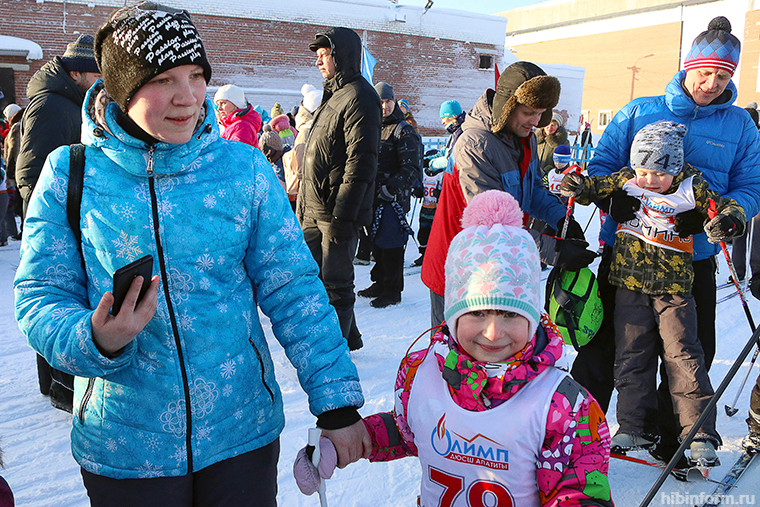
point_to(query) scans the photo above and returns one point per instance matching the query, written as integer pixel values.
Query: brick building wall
(270, 59)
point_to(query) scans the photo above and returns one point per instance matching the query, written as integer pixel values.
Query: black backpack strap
(74, 192)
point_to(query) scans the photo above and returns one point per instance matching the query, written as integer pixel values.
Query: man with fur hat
(721, 142)
(54, 118)
(340, 163)
(497, 150)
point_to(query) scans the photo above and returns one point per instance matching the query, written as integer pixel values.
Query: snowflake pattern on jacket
(574, 458)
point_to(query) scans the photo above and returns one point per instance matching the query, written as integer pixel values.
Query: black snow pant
(248, 480)
(336, 269)
(646, 325)
(426, 225)
(436, 309)
(593, 367)
(703, 289)
(388, 271)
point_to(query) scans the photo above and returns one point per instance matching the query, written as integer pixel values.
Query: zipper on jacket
(172, 318)
(261, 362)
(85, 399)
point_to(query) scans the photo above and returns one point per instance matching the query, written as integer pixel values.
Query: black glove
(573, 254)
(341, 230)
(689, 222)
(723, 227)
(623, 207)
(418, 192)
(436, 193)
(572, 185)
(384, 194)
(574, 230)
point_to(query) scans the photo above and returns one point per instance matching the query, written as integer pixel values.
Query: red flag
(496, 83)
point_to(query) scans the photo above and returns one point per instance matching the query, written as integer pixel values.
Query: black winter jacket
(53, 118)
(398, 162)
(340, 158)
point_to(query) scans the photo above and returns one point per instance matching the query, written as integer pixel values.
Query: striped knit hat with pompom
(493, 263)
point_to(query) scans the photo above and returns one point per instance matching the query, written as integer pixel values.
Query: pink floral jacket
(569, 475)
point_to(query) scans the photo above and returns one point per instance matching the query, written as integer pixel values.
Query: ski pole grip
(712, 212)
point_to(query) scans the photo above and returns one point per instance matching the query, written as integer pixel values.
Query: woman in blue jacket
(176, 401)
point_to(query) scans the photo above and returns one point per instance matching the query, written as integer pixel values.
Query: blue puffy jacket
(197, 385)
(721, 141)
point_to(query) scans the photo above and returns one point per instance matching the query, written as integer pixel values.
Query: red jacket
(243, 125)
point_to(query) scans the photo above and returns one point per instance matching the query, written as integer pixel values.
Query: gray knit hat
(140, 41)
(79, 55)
(385, 91)
(659, 147)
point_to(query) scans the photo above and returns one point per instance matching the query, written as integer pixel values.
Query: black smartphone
(123, 277)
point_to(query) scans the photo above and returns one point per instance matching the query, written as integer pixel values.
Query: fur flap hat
(527, 84)
(139, 42)
(493, 263)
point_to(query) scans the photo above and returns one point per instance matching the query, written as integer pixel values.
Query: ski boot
(702, 454)
(751, 443)
(623, 442)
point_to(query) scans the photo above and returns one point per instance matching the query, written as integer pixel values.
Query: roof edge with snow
(373, 15)
(15, 46)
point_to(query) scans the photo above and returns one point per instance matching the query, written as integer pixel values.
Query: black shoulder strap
(74, 192)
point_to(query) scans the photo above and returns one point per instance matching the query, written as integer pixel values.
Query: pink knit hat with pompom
(493, 264)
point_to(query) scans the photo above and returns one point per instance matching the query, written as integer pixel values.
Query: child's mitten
(722, 227)
(306, 474)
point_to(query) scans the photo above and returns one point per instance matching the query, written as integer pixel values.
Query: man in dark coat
(398, 168)
(53, 118)
(340, 163)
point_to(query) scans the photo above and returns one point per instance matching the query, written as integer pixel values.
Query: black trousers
(703, 289)
(336, 269)
(248, 480)
(388, 271)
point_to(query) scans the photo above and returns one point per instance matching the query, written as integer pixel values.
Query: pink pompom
(490, 208)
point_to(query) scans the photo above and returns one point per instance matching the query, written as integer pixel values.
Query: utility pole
(634, 69)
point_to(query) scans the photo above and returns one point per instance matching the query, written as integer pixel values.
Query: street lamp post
(634, 70)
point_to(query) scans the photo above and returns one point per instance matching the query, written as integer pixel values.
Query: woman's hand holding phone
(114, 332)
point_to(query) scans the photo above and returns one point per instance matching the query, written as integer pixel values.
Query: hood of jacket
(681, 103)
(347, 53)
(247, 115)
(100, 128)
(53, 78)
(480, 116)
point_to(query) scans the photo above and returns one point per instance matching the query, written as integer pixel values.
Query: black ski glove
(723, 227)
(688, 223)
(340, 230)
(418, 192)
(572, 185)
(623, 207)
(573, 254)
(574, 230)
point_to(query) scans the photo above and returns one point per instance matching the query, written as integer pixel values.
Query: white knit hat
(493, 263)
(232, 93)
(311, 97)
(10, 110)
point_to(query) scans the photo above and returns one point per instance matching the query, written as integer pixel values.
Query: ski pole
(570, 201)
(753, 341)
(593, 212)
(314, 435)
(731, 409)
(712, 213)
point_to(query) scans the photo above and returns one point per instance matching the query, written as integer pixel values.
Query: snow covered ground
(42, 473)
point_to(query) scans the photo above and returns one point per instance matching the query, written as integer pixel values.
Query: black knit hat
(79, 55)
(140, 41)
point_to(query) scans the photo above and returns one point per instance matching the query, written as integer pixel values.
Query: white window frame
(606, 115)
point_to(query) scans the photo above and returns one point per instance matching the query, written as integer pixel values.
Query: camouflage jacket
(643, 267)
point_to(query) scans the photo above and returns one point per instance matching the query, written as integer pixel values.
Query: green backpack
(573, 303)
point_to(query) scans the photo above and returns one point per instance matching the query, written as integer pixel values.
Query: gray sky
(481, 6)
